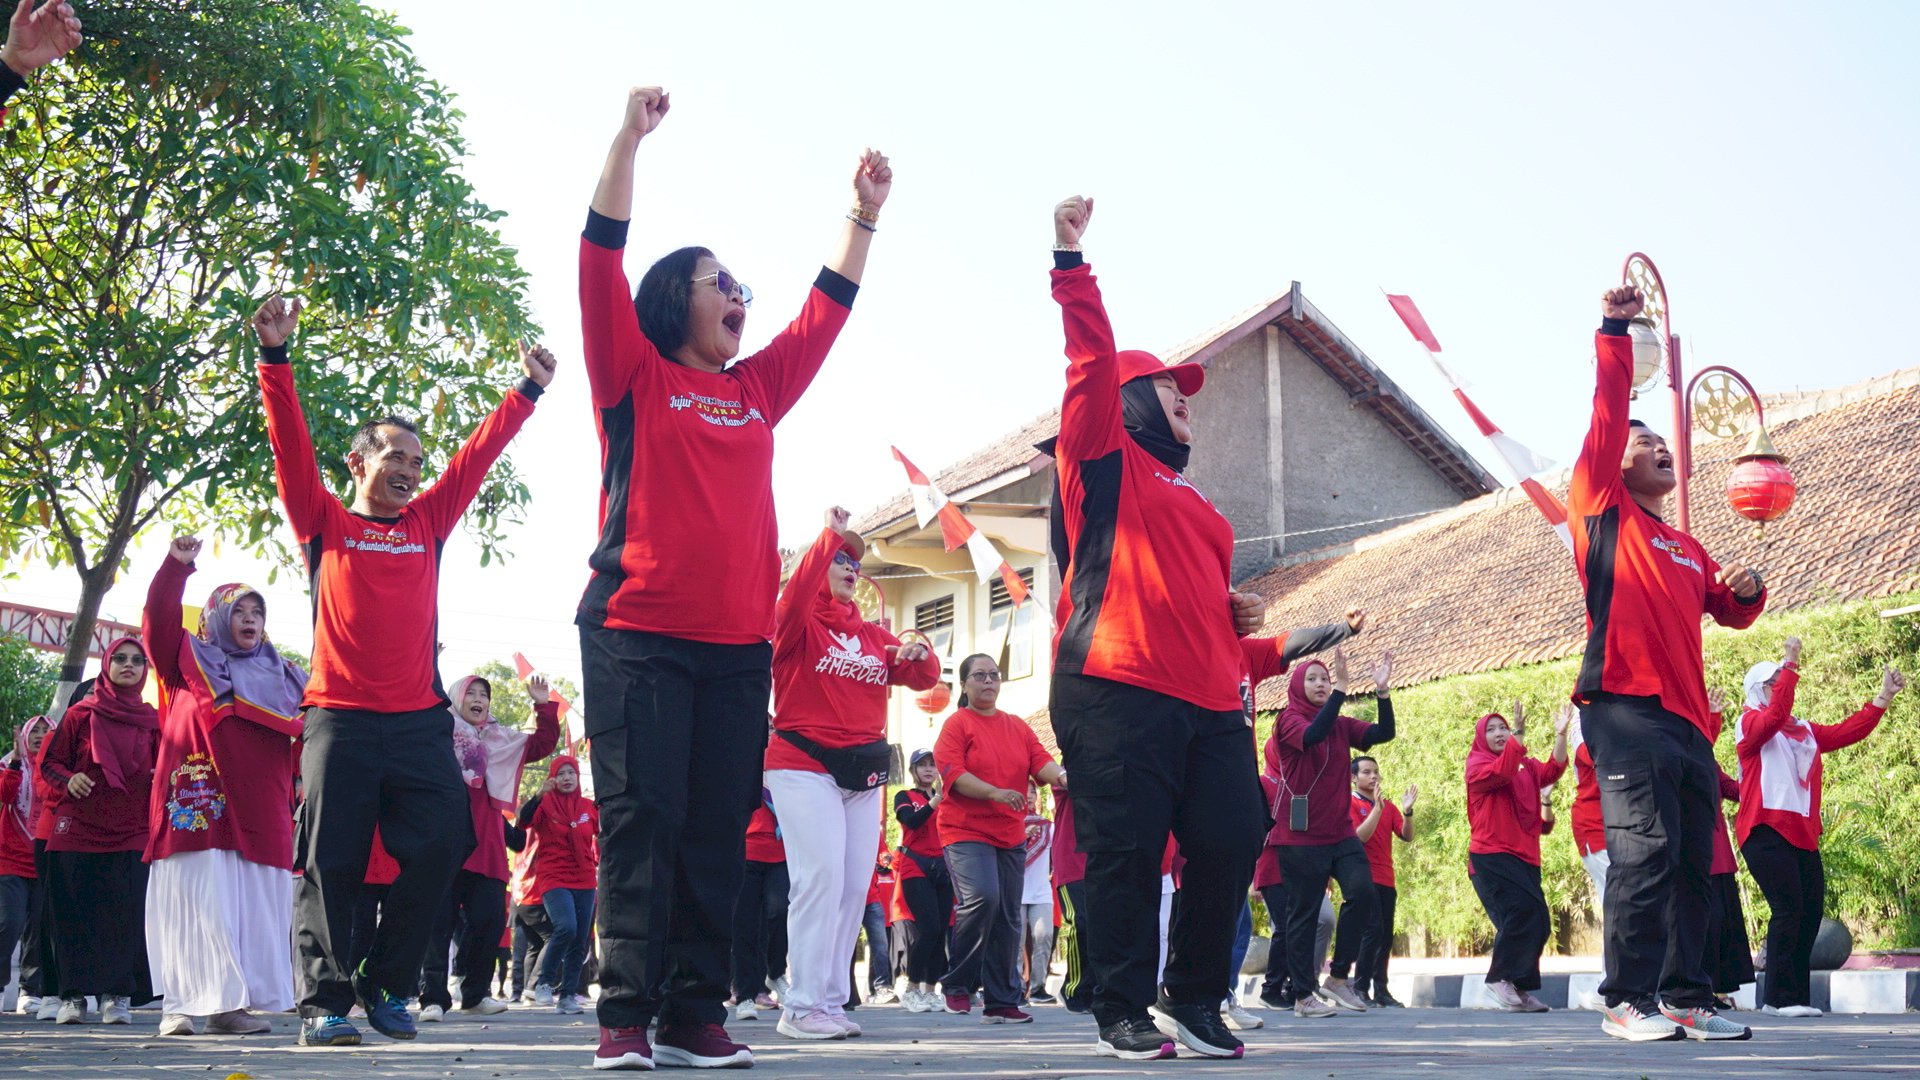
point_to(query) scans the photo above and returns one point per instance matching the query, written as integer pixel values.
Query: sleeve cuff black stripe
(274, 354)
(1068, 260)
(838, 289)
(531, 389)
(1614, 327)
(606, 232)
(10, 81)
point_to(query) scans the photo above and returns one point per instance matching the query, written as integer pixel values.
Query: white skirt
(217, 933)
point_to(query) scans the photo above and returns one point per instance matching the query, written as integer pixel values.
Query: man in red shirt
(1642, 686)
(1377, 822)
(378, 748)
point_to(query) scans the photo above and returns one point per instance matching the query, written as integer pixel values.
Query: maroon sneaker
(1005, 1015)
(960, 1003)
(700, 1046)
(623, 1048)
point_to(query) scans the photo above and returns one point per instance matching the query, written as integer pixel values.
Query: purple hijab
(256, 684)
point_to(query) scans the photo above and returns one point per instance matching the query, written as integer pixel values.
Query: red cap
(1135, 363)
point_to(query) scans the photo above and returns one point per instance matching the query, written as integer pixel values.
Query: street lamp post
(1718, 397)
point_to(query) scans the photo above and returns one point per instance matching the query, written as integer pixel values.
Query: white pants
(1597, 864)
(217, 933)
(831, 836)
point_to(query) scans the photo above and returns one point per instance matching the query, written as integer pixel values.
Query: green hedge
(1872, 845)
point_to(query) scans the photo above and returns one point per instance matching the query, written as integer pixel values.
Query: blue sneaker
(387, 1014)
(328, 1031)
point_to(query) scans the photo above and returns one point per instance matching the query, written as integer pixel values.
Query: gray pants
(987, 884)
(1039, 945)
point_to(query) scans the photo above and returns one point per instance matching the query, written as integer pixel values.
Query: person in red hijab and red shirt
(19, 878)
(987, 758)
(826, 767)
(1642, 688)
(563, 861)
(220, 837)
(98, 768)
(1779, 817)
(1505, 789)
(1146, 676)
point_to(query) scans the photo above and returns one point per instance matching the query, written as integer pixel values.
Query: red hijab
(1297, 707)
(560, 812)
(1526, 797)
(121, 736)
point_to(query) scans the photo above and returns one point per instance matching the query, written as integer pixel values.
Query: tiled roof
(1487, 585)
(1314, 333)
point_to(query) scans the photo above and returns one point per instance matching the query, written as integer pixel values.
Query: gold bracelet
(861, 213)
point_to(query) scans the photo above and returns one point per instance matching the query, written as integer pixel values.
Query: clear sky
(1496, 166)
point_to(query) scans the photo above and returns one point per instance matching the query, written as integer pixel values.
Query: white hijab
(1786, 760)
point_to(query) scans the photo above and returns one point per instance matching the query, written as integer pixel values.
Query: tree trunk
(94, 584)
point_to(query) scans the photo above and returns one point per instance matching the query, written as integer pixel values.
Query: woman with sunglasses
(1146, 680)
(826, 766)
(677, 620)
(987, 758)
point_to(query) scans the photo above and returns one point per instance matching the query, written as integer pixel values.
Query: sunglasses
(848, 561)
(728, 286)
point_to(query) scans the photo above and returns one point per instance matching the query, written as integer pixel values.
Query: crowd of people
(352, 840)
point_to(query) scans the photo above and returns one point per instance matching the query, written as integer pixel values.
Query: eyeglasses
(846, 560)
(984, 676)
(728, 286)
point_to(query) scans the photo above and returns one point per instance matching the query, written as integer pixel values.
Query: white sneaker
(915, 1000)
(567, 1005)
(814, 1025)
(1795, 1011)
(72, 1011)
(486, 1006)
(1238, 1018)
(1506, 996)
(1342, 994)
(116, 1010)
(543, 995)
(746, 1011)
(177, 1024)
(1313, 1007)
(1592, 1001)
(431, 1014)
(49, 1008)
(28, 1005)
(779, 987)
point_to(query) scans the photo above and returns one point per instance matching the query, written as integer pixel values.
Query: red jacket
(1503, 797)
(562, 852)
(1589, 829)
(831, 668)
(1145, 597)
(1647, 583)
(375, 581)
(1776, 724)
(16, 840)
(763, 837)
(688, 546)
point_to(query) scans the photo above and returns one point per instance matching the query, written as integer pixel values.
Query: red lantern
(1760, 488)
(934, 700)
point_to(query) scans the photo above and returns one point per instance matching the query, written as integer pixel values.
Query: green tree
(26, 684)
(184, 163)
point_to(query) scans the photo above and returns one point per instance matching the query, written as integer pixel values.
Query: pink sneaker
(1529, 1003)
(1506, 996)
(623, 1048)
(700, 1046)
(960, 1003)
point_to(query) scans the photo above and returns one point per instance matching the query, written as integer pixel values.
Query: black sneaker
(1076, 1006)
(1278, 999)
(1134, 1039)
(1198, 1027)
(1042, 998)
(1384, 999)
(387, 1014)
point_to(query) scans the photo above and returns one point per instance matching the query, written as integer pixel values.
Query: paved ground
(1395, 1043)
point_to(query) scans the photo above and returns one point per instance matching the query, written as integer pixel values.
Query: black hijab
(1146, 423)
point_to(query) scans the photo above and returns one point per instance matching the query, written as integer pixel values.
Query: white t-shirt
(1038, 888)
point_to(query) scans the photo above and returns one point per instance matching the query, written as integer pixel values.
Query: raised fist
(275, 320)
(1622, 302)
(537, 362)
(1790, 651)
(1070, 219)
(837, 519)
(872, 180)
(184, 549)
(646, 107)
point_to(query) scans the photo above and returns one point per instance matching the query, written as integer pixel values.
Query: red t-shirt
(999, 749)
(1145, 598)
(1647, 583)
(1319, 772)
(224, 779)
(375, 581)
(1589, 828)
(831, 668)
(688, 545)
(16, 837)
(562, 852)
(1757, 728)
(1380, 845)
(1503, 802)
(489, 858)
(763, 842)
(109, 818)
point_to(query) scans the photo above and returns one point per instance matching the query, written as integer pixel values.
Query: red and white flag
(1523, 462)
(568, 717)
(931, 504)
